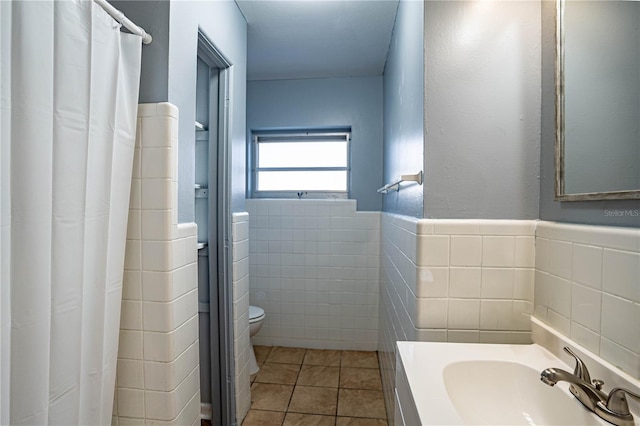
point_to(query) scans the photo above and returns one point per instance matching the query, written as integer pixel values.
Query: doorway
(212, 214)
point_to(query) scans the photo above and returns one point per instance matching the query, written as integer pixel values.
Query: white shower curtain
(69, 98)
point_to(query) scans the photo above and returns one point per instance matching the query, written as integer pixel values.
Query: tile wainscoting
(241, 341)
(476, 281)
(588, 288)
(314, 270)
(158, 378)
(453, 281)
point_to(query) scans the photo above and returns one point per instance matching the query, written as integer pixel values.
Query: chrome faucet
(581, 368)
(612, 407)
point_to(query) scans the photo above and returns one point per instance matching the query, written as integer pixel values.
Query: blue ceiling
(317, 39)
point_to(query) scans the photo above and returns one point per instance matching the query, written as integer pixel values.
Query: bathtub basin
(482, 384)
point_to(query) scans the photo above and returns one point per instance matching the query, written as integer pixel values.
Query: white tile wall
(588, 288)
(453, 280)
(440, 280)
(240, 279)
(158, 375)
(398, 275)
(314, 269)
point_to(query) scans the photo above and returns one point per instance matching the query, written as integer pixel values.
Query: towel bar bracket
(395, 185)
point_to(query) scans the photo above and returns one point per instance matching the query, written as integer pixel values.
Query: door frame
(220, 266)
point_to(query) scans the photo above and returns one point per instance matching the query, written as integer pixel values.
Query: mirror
(597, 100)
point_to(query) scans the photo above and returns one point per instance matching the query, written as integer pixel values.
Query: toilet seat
(256, 313)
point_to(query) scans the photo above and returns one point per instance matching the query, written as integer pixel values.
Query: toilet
(256, 319)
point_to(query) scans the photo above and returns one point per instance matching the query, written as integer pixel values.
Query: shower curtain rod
(119, 16)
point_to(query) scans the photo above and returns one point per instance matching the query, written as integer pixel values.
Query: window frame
(311, 135)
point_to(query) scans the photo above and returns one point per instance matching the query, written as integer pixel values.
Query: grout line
(338, 393)
(294, 387)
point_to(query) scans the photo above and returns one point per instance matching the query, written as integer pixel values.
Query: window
(315, 163)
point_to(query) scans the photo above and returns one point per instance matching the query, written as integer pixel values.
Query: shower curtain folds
(69, 100)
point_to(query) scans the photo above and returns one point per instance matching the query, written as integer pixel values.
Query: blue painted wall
(482, 109)
(354, 102)
(169, 75)
(226, 28)
(153, 16)
(404, 108)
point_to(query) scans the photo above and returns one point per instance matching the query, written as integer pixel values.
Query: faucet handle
(617, 401)
(581, 370)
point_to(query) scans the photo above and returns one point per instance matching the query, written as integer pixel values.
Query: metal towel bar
(404, 178)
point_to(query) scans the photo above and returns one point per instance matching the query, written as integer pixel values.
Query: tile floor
(309, 387)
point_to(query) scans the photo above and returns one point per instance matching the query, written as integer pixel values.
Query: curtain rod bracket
(126, 22)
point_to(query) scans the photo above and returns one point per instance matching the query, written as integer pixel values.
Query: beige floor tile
(313, 400)
(283, 374)
(360, 378)
(322, 357)
(297, 419)
(263, 418)
(359, 359)
(283, 355)
(266, 396)
(319, 375)
(262, 352)
(354, 421)
(361, 403)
